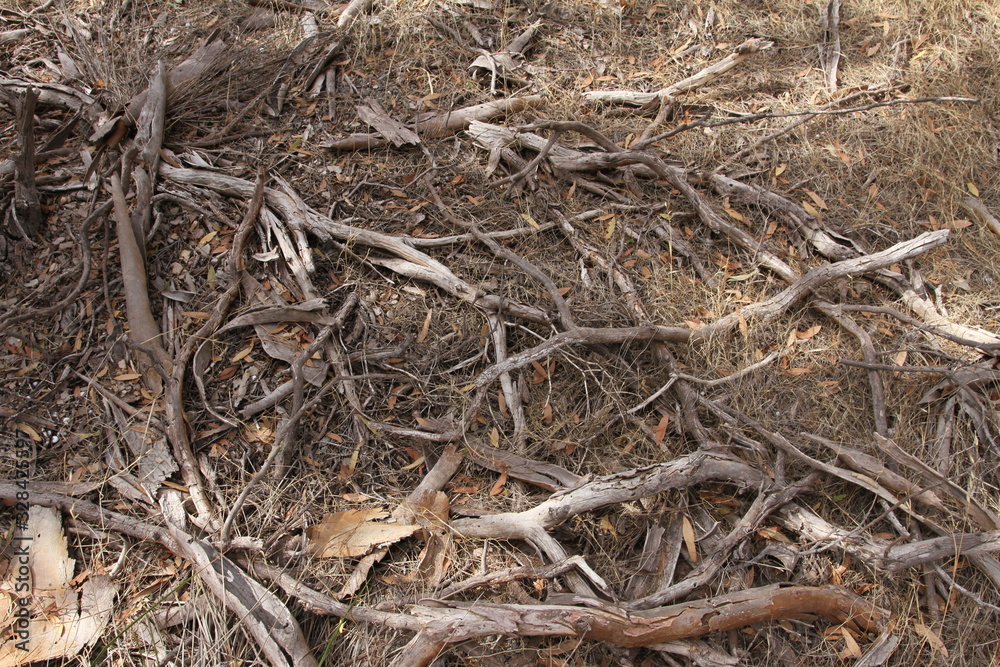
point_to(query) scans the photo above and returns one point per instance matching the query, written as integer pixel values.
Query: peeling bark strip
(27, 213)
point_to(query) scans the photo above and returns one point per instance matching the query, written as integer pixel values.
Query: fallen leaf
(809, 333)
(497, 487)
(530, 221)
(687, 528)
(29, 431)
(932, 638)
(852, 650)
(661, 428)
(354, 533)
(820, 203)
(959, 223)
(242, 354)
(426, 326)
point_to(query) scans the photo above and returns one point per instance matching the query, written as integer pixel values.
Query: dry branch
(451, 622)
(440, 124)
(26, 214)
(829, 48)
(739, 54)
(622, 487)
(408, 261)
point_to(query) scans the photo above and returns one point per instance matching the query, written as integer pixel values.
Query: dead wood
(452, 622)
(375, 115)
(26, 215)
(829, 47)
(621, 487)
(881, 553)
(631, 330)
(206, 57)
(351, 12)
(148, 142)
(739, 54)
(765, 504)
(438, 125)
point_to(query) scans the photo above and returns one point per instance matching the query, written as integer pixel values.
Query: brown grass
(885, 174)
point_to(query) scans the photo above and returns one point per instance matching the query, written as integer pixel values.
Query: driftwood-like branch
(739, 54)
(144, 330)
(682, 472)
(407, 260)
(148, 141)
(762, 311)
(352, 11)
(440, 124)
(199, 63)
(449, 622)
(836, 247)
(884, 554)
(765, 504)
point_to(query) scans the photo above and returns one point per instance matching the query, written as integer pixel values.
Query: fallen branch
(451, 622)
(622, 487)
(26, 214)
(440, 124)
(713, 71)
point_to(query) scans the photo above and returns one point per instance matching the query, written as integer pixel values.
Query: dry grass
(885, 175)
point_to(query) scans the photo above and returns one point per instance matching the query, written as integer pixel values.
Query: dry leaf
(798, 371)
(932, 638)
(29, 431)
(687, 528)
(497, 487)
(958, 223)
(426, 326)
(820, 203)
(661, 428)
(809, 333)
(530, 221)
(354, 533)
(360, 574)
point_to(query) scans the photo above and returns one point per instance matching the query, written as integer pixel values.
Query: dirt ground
(492, 332)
